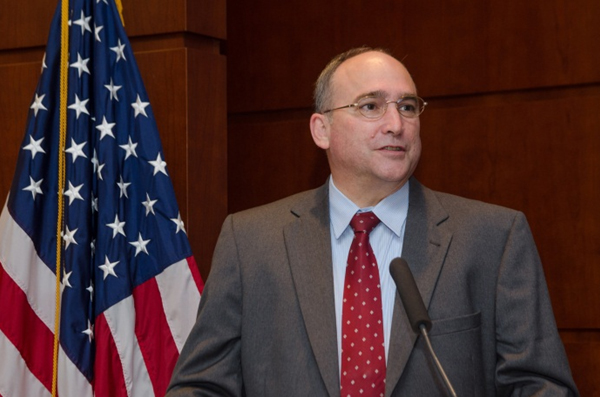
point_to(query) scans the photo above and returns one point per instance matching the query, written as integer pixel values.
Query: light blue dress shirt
(386, 240)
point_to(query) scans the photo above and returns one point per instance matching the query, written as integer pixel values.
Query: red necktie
(363, 351)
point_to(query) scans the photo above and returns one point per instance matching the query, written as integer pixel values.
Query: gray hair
(323, 92)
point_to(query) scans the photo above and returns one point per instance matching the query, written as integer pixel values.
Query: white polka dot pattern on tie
(363, 352)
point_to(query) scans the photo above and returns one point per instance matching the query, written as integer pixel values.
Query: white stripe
(121, 321)
(180, 297)
(15, 378)
(71, 381)
(21, 262)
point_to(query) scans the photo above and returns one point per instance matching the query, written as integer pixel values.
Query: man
(295, 305)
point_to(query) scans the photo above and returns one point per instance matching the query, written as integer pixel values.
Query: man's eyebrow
(372, 94)
(382, 94)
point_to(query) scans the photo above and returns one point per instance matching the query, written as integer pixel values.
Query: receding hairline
(323, 86)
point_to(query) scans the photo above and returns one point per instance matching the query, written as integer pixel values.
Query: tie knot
(364, 222)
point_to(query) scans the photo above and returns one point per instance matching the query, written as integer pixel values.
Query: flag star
(79, 106)
(95, 204)
(89, 331)
(100, 167)
(93, 249)
(179, 223)
(119, 51)
(97, 30)
(159, 165)
(129, 149)
(81, 65)
(140, 245)
(113, 90)
(76, 149)
(123, 186)
(34, 187)
(44, 66)
(84, 22)
(117, 226)
(97, 168)
(90, 289)
(108, 267)
(69, 237)
(37, 104)
(105, 128)
(140, 107)
(95, 161)
(65, 280)
(73, 193)
(98, 1)
(34, 146)
(149, 204)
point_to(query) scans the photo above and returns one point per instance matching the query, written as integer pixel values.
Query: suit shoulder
(465, 209)
(474, 220)
(281, 211)
(468, 204)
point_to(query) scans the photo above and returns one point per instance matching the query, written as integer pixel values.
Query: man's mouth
(393, 148)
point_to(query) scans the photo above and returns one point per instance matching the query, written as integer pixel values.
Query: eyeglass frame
(386, 103)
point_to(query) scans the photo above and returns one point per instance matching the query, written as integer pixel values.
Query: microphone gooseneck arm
(423, 330)
(417, 314)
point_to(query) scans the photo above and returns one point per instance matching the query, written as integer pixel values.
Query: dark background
(513, 116)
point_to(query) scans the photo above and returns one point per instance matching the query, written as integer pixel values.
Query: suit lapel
(308, 243)
(425, 247)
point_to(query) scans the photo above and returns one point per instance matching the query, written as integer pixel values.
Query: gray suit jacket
(266, 323)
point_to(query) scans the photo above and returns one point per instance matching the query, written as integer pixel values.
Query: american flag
(129, 286)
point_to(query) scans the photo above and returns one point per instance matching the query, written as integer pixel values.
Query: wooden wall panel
(151, 17)
(502, 45)
(207, 153)
(450, 47)
(583, 349)
(26, 24)
(18, 84)
(271, 159)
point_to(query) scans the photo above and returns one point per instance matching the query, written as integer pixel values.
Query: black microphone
(409, 294)
(415, 309)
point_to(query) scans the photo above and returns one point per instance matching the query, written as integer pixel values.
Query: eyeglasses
(374, 108)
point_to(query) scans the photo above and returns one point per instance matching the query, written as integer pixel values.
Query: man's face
(371, 154)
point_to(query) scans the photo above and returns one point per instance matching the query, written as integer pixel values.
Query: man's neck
(367, 196)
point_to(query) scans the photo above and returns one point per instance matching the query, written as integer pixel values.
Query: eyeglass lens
(375, 107)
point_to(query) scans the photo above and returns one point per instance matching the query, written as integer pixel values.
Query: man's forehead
(370, 61)
(372, 74)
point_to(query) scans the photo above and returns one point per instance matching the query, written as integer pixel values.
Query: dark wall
(513, 118)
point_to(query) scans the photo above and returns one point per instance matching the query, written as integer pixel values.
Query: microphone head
(409, 294)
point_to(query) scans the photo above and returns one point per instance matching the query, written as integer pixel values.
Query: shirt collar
(392, 210)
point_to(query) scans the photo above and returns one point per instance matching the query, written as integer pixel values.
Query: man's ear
(319, 129)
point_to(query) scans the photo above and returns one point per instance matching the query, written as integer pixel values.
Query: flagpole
(120, 9)
(64, 69)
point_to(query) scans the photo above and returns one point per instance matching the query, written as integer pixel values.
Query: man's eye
(407, 107)
(369, 107)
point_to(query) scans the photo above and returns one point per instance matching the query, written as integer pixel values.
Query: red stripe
(25, 330)
(108, 371)
(196, 273)
(154, 335)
